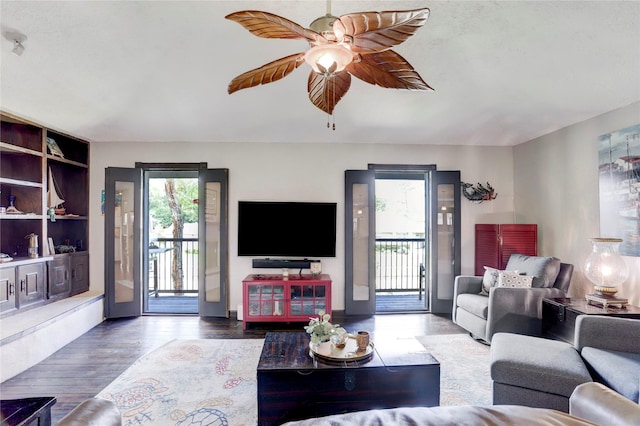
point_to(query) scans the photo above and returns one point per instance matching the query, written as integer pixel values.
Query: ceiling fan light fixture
(329, 58)
(352, 45)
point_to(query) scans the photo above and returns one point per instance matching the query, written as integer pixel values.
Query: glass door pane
(125, 222)
(445, 238)
(360, 250)
(360, 272)
(123, 236)
(212, 241)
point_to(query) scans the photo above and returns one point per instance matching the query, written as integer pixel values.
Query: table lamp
(606, 269)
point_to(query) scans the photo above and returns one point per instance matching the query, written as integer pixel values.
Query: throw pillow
(544, 270)
(514, 280)
(490, 279)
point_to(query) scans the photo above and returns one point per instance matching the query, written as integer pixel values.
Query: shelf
(21, 216)
(7, 147)
(18, 261)
(70, 217)
(65, 161)
(18, 182)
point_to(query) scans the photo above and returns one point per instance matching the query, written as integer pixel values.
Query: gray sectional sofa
(591, 404)
(538, 372)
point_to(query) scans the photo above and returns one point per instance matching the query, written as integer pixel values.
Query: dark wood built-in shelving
(25, 161)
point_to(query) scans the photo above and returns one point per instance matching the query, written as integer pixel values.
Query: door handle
(12, 289)
(22, 287)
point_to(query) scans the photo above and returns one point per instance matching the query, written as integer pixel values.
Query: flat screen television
(293, 229)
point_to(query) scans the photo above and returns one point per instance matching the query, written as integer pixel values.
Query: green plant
(320, 328)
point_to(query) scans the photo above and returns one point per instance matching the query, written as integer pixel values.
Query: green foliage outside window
(187, 190)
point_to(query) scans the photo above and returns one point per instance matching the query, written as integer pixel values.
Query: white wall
(305, 172)
(556, 181)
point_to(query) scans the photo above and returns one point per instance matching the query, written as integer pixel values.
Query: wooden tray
(327, 351)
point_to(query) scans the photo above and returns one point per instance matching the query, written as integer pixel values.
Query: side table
(26, 411)
(559, 316)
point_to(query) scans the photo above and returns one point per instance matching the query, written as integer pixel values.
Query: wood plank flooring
(385, 302)
(84, 367)
(395, 302)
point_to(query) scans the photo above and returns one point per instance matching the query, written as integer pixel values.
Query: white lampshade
(329, 58)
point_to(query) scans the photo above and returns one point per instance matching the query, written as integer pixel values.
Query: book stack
(606, 301)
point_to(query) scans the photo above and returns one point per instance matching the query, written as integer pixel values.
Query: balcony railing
(399, 265)
(161, 280)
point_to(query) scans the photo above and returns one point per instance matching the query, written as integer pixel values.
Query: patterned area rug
(213, 381)
(464, 369)
(190, 382)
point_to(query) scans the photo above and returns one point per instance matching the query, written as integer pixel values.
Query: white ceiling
(504, 72)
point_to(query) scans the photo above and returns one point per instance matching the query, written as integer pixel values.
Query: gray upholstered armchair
(484, 310)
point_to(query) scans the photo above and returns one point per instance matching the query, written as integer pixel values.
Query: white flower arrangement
(320, 328)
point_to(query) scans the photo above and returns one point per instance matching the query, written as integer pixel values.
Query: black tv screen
(293, 229)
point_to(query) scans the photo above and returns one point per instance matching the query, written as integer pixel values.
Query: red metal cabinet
(273, 298)
(495, 243)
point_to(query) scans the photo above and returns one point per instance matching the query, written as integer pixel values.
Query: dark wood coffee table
(559, 315)
(26, 411)
(294, 386)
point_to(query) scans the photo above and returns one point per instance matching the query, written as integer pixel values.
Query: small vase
(12, 204)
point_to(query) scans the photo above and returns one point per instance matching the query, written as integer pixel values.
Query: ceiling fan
(355, 44)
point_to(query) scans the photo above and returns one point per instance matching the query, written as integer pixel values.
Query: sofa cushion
(529, 362)
(618, 370)
(514, 280)
(476, 304)
(544, 270)
(505, 415)
(489, 279)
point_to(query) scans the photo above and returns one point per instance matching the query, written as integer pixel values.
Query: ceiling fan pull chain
(333, 117)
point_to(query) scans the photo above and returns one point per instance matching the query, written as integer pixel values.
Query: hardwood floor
(385, 303)
(88, 364)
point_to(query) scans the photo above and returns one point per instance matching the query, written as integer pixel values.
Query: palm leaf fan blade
(268, 73)
(268, 25)
(387, 69)
(378, 31)
(325, 91)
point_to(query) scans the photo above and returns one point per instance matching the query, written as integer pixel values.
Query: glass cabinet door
(308, 300)
(265, 299)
